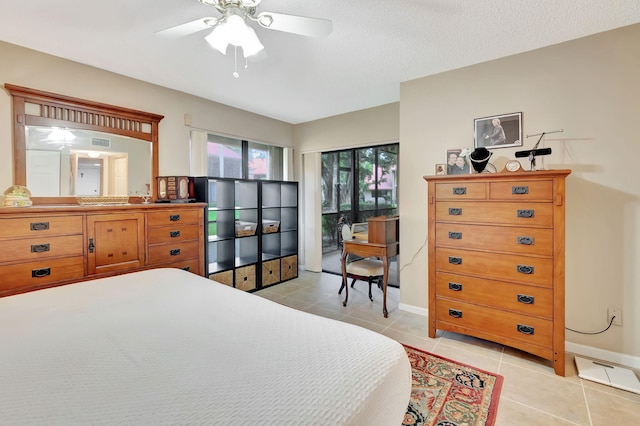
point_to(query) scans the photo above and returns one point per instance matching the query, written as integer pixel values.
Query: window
(224, 157)
(265, 161)
(235, 158)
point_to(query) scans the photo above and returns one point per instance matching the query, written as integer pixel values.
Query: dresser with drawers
(45, 246)
(496, 259)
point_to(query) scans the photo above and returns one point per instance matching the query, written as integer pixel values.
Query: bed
(168, 347)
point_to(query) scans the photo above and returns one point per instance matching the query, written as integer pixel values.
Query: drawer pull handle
(39, 226)
(186, 268)
(174, 217)
(526, 213)
(455, 235)
(455, 260)
(455, 211)
(174, 252)
(461, 190)
(39, 273)
(525, 269)
(92, 246)
(525, 329)
(525, 241)
(527, 300)
(40, 248)
(519, 190)
(174, 234)
(455, 286)
(455, 313)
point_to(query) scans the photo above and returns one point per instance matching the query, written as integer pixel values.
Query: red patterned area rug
(447, 393)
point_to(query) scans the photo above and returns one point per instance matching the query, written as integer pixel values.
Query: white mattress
(168, 347)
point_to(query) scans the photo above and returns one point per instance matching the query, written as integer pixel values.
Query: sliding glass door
(356, 184)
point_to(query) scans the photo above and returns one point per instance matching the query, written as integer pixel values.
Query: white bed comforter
(168, 347)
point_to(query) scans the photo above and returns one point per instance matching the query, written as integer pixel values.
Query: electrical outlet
(617, 312)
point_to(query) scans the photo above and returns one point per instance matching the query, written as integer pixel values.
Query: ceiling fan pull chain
(235, 62)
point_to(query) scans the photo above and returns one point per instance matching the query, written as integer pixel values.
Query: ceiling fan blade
(188, 28)
(310, 27)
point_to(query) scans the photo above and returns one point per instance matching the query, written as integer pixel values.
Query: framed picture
(458, 162)
(498, 131)
(441, 169)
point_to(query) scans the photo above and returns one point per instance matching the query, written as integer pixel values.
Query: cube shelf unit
(251, 231)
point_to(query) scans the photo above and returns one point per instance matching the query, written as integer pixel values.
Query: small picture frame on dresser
(458, 162)
(441, 169)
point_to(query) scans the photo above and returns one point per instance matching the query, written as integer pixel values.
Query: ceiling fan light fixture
(233, 30)
(58, 135)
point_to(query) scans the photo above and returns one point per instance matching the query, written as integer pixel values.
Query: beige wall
(36, 70)
(588, 87)
(373, 126)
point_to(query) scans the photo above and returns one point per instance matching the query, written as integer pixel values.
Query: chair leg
(353, 282)
(370, 282)
(341, 287)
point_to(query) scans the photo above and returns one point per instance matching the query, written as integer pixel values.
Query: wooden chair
(368, 269)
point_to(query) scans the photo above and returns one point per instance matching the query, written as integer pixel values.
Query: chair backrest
(346, 232)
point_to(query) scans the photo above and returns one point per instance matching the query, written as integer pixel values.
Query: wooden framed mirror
(114, 149)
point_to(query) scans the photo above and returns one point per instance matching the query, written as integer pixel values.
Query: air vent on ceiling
(101, 142)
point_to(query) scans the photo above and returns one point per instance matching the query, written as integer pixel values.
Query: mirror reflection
(73, 162)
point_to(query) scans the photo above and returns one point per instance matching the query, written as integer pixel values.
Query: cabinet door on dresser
(115, 242)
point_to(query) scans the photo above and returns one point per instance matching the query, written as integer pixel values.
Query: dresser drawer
(461, 191)
(40, 226)
(520, 214)
(524, 299)
(189, 265)
(41, 248)
(173, 217)
(170, 253)
(40, 272)
(538, 241)
(171, 234)
(540, 190)
(512, 326)
(503, 267)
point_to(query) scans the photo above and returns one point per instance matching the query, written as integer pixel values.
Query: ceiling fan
(231, 28)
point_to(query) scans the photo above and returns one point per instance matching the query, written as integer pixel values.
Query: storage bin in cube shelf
(245, 229)
(270, 226)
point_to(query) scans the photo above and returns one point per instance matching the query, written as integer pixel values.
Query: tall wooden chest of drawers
(496, 259)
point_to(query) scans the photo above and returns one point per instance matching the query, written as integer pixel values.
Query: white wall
(588, 87)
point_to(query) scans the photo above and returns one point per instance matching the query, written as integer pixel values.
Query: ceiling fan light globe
(251, 44)
(219, 38)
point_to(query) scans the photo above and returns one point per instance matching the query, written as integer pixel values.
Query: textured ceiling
(375, 45)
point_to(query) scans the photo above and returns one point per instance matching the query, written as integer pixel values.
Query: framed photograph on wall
(458, 162)
(498, 131)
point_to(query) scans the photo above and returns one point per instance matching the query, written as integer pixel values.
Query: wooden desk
(366, 249)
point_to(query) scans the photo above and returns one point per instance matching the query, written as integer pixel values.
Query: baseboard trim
(413, 309)
(604, 355)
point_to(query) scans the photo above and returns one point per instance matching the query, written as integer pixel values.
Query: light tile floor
(531, 394)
